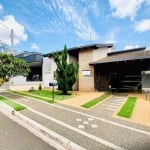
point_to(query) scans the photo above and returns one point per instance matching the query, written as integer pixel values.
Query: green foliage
(12, 66)
(40, 87)
(66, 74)
(127, 108)
(96, 100)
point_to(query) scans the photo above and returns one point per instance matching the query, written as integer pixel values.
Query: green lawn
(14, 105)
(48, 94)
(45, 95)
(96, 100)
(127, 108)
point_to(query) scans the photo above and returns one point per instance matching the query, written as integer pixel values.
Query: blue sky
(46, 25)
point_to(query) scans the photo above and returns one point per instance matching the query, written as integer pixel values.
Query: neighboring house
(35, 61)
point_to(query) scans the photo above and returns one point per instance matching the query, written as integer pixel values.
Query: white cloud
(78, 19)
(35, 47)
(1, 8)
(126, 8)
(130, 46)
(69, 16)
(6, 24)
(142, 25)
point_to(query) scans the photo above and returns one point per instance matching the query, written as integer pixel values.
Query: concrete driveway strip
(99, 130)
(15, 137)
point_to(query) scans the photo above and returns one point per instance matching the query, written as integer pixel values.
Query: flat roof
(126, 55)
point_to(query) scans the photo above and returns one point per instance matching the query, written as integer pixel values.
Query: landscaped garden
(14, 105)
(45, 95)
(127, 108)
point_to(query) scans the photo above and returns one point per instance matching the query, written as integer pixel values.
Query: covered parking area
(121, 71)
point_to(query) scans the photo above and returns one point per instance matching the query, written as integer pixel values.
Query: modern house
(35, 61)
(100, 68)
(82, 56)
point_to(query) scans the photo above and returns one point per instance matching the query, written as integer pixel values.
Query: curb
(66, 143)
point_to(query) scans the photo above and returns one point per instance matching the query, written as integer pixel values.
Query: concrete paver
(103, 133)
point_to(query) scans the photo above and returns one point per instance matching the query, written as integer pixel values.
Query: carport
(121, 71)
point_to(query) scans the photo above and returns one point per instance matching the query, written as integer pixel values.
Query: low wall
(26, 87)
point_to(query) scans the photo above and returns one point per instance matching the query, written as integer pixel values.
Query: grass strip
(127, 108)
(45, 95)
(48, 100)
(48, 94)
(96, 100)
(14, 105)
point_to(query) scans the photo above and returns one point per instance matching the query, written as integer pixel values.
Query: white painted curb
(66, 143)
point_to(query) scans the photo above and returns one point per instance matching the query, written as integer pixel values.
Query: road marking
(90, 119)
(94, 125)
(90, 116)
(81, 126)
(117, 104)
(104, 120)
(85, 122)
(104, 142)
(33, 131)
(110, 105)
(78, 119)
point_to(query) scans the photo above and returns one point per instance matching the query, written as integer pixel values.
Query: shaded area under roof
(94, 46)
(126, 55)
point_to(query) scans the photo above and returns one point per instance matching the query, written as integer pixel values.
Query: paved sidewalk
(88, 131)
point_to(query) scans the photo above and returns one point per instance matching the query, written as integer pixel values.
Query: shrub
(40, 87)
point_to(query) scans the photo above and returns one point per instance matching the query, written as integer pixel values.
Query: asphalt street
(89, 131)
(16, 137)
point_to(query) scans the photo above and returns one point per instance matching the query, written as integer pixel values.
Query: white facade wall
(53, 67)
(19, 83)
(46, 71)
(17, 80)
(100, 53)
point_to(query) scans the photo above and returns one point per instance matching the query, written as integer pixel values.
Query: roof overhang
(124, 56)
(78, 48)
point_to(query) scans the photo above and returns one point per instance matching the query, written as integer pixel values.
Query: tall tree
(66, 73)
(11, 66)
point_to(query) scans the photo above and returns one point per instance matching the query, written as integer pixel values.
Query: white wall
(46, 71)
(49, 67)
(17, 80)
(19, 83)
(100, 53)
